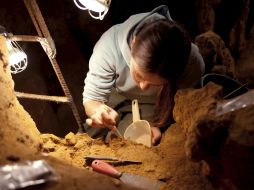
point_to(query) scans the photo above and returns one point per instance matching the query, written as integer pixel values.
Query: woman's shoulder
(194, 69)
(196, 57)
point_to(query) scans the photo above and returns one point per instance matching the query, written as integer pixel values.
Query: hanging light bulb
(99, 7)
(17, 57)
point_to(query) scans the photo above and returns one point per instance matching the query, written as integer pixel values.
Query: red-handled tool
(105, 168)
(127, 178)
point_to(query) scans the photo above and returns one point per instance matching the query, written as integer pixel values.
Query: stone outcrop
(223, 143)
(217, 56)
(16, 127)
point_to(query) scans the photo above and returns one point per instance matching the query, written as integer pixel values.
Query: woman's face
(144, 79)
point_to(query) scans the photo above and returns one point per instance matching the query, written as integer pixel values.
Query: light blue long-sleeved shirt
(110, 61)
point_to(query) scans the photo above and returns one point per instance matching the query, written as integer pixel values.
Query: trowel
(134, 180)
(139, 131)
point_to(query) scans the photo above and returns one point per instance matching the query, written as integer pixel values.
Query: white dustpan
(139, 131)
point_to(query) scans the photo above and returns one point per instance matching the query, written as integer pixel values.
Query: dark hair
(162, 47)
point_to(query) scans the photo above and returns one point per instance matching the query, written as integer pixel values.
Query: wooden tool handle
(105, 168)
(135, 110)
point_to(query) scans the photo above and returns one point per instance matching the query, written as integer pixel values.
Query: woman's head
(159, 53)
(145, 79)
(160, 48)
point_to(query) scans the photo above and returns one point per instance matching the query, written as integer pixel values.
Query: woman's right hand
(103, 116)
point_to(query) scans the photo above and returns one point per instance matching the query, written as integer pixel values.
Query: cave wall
(17, 129)
(223, 143)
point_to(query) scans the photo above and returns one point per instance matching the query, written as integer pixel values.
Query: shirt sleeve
(100, 78)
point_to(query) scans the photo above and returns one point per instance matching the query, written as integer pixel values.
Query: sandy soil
(166, 162)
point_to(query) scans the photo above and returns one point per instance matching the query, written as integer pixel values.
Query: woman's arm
(100, 115)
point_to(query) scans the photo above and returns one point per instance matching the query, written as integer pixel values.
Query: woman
(147, 57)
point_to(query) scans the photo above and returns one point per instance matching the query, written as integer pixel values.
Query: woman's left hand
(156, 134)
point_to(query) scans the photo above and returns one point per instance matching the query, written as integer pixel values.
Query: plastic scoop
(139, 131)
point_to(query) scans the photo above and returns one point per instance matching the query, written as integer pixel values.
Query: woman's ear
(133, 41)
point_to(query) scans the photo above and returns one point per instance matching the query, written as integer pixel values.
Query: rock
(223, 144)
(70, 139)
(192, 104)
(214, 51)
